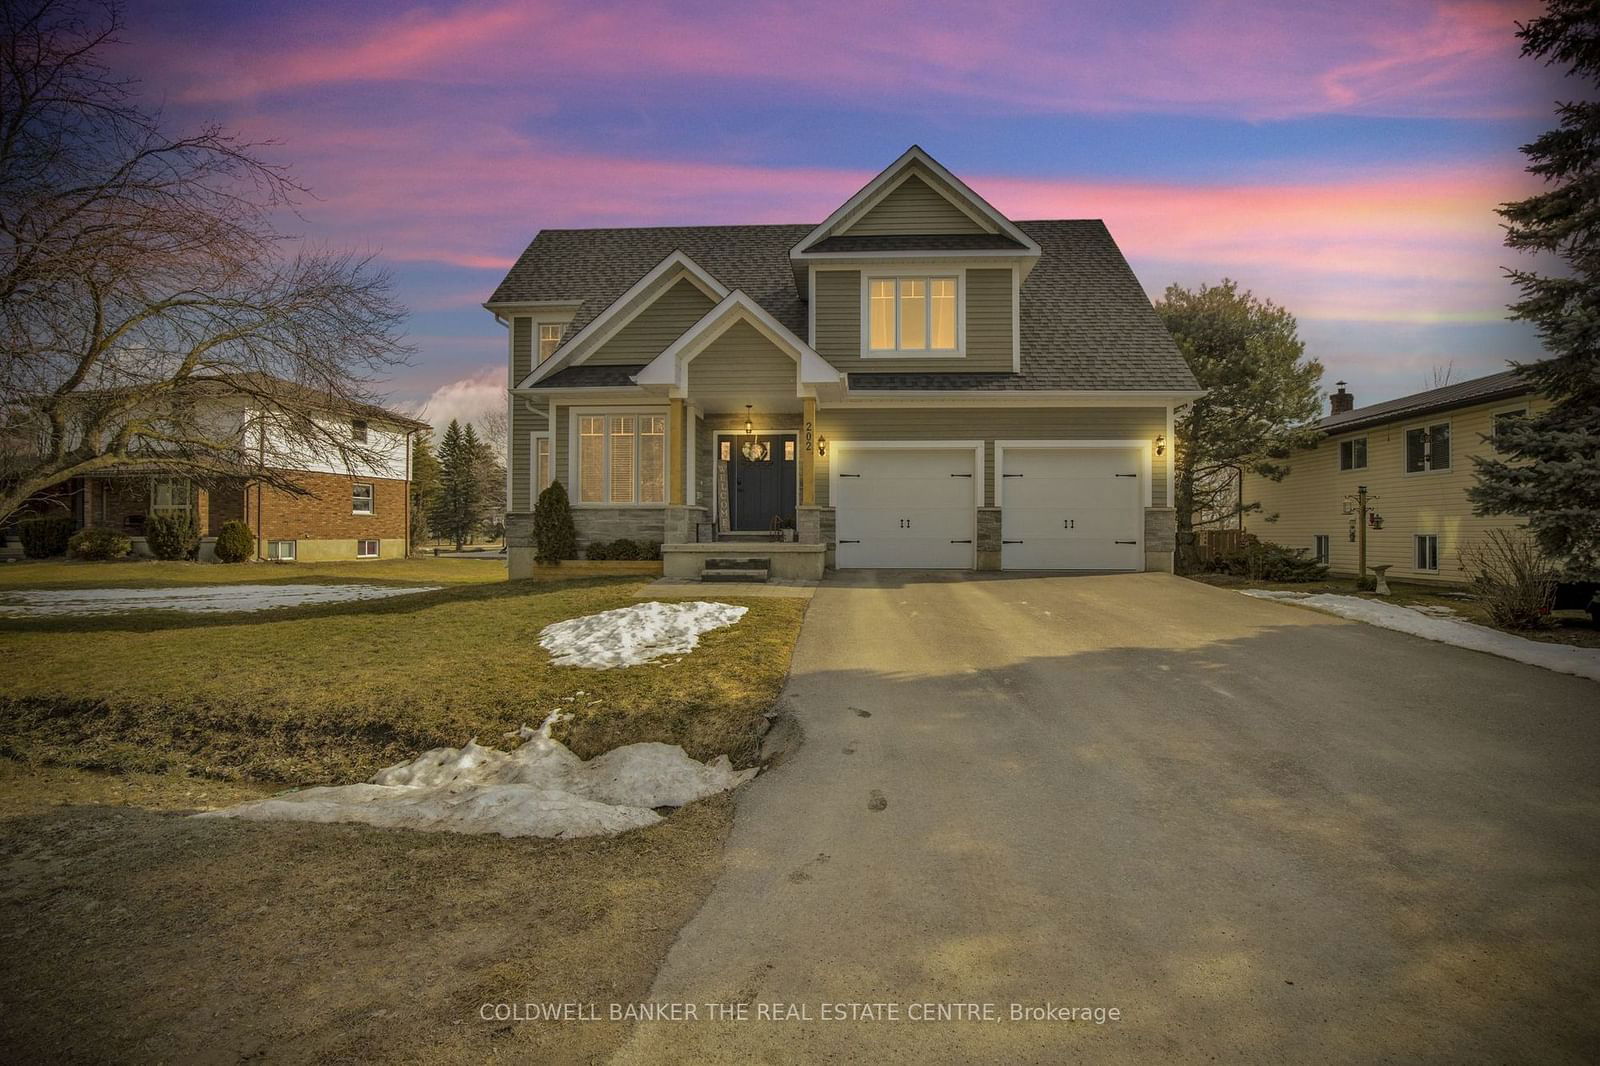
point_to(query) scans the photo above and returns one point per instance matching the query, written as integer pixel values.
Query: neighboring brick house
(361, 513)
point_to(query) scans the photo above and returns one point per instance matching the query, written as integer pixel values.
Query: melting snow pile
(539, 790)
(200, 598)
(629, 636)
(1563, 658)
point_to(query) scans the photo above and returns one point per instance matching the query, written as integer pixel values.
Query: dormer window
(549, 338)
(913, 314)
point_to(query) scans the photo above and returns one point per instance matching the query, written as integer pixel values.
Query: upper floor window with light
(912, 314)
(549, 339)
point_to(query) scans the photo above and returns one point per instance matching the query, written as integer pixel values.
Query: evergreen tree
(424, 487)
(1548, 466)
(1262, 396)
(555, 537)
(459, 506)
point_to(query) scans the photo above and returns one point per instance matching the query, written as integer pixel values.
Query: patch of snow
(630, 636)
(39, 603)
(539, 790)
(1562, 658)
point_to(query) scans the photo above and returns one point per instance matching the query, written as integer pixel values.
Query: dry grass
(134, 936)
(151, 573)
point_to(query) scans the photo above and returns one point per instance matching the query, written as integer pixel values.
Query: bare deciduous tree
(142, 278)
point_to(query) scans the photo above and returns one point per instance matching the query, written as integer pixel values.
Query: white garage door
(910, 508)
(1071, 508)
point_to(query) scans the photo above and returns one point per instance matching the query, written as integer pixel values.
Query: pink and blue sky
(1342, 158)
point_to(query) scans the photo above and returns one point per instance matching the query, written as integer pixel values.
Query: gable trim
(670, 368)
(625, 308)
(898, 172)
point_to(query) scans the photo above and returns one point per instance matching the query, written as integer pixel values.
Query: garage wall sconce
(1161, 444)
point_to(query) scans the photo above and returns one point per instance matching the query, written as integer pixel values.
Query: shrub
(623, 548)
(1511, 577)
(235, 542)
(171, 537)
(598, 550)
(554, 536)
(1261, 560)
(45, 535)
(99, 543)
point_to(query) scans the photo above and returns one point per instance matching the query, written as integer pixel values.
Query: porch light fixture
(749, 426)
(1161, 444)
(754, 451)
(822, 446)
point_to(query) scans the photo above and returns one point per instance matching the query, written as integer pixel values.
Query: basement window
(280, 551)
(366, 549)
(1427, 547)
(1321, 548)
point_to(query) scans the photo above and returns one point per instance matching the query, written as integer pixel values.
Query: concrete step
(723, 574)
(730, 563)
(734, 536)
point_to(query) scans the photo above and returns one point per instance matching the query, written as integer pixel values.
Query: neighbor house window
(358, 431)
(1428, 448)
(911, 314)
(549, 339)
(1504, 418)
(622, 458)
(1321, 548)
(1427, 545)
(366, 549)
(361, 499)
(281, 551)
(1353, 454)
(169, 496)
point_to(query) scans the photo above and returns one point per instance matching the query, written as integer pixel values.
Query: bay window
(912, 314)
(622, 458)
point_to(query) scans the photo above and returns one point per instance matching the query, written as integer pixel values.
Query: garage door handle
(1124, 475)
(960, 475)
(849, 475)
(1011, 542)
(1127, 542)
(849, 542)
(961, 542)
(1010, 475)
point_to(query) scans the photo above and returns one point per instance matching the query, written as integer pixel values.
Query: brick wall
(325, 514)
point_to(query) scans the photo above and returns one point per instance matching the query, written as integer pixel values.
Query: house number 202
(808, 436)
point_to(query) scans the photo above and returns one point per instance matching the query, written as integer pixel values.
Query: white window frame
(372, 497)
(1427, 448)
(574, 469)
(377, 547)
(533, 464)
(1322, 548)
(1416, 545)
(539, 326)
(277, 546)
(924, 274)
(185, 508)
(1366, 453)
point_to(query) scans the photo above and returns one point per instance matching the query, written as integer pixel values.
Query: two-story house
(917, 381)
(1413, 455)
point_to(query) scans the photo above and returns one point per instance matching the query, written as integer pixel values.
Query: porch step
(734, 536)
(730, 575)
(731, 563)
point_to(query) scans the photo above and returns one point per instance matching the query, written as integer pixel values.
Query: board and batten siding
(655, 328)
(523, 423)
(742, 366)
(990, 424)
(990, 296)
(913, 207)
(1310, 501)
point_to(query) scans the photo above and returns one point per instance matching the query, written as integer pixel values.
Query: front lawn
(1566, 627)
(151, 573)
(335, 692)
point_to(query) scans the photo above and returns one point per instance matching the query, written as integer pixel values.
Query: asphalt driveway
(1260, 833)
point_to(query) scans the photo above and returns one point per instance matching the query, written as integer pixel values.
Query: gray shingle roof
(591, 376)
(1086, 322)
(931, 242)
(1461, 394)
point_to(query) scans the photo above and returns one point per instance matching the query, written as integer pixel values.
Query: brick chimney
(1341, 401)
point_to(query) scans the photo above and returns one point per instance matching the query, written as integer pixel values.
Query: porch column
(808, 451)
(678, 432)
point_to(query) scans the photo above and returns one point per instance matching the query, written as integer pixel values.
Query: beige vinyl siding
(989, 296)
(990, 424)
(742, 366)
(913, 207)
(523, 422)
(657, 326)
(522, 330)
(1310, 500)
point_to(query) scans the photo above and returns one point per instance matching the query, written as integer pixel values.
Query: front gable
(649, 332)
(913, 206)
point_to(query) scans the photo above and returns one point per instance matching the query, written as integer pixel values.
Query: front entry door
(762, 486)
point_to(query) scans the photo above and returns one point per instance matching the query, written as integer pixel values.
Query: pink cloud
(1214, 57)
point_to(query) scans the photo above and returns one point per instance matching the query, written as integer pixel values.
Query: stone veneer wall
(610, 523)
(988, 538)
(1160, 538)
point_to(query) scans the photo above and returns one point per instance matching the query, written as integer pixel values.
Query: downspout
(261, 463)
(409, 432)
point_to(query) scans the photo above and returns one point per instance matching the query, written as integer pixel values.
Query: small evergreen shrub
(598, 550)
(99, 543)
(171, 537)
(235, 542)
(623, 549)
(555, 537)
(45, 535)
(1261, 560)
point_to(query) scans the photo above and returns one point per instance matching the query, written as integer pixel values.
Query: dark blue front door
(763, 486)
